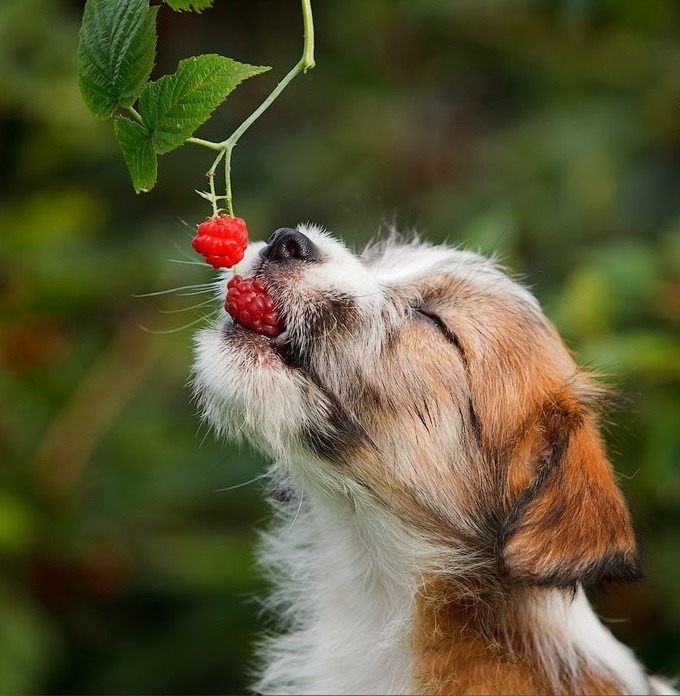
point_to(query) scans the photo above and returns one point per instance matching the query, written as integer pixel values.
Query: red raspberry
(221, 240)
(251, 305)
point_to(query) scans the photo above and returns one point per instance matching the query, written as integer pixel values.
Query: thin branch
(226, 147)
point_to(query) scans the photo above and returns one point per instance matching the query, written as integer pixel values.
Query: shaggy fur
(443, 489)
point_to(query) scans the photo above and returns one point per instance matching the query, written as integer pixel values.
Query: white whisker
(205, 303)
(292, 524)
(195, 292)
(191, 228)
(161, 332)
(240, 485)
(204, 287)
(188, 255)
(187, 262)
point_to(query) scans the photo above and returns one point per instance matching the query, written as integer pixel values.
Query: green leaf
(195, 5)
(116, 53)
(135, 142)
(173, 107)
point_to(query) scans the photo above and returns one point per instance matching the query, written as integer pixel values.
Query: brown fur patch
(455, 657)
(477, 644)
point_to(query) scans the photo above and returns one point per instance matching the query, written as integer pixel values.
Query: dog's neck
(349, 600)
(363, 620)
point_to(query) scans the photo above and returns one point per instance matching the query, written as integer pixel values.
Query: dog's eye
(429, 317)
(437, 322)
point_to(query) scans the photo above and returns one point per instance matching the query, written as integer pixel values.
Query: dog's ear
(570, 523)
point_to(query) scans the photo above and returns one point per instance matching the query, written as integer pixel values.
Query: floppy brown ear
(571, 523)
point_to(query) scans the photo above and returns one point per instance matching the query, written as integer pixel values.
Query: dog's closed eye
(437, 322)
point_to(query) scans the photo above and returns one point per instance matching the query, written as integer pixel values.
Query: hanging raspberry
(221, 240)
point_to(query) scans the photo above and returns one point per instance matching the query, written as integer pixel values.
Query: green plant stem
(205, 143)
(226, 147)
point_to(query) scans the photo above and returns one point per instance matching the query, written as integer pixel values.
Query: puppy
(444, 494)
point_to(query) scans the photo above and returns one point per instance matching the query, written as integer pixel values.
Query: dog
(441, 491)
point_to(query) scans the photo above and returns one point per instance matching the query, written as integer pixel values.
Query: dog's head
(425, 379)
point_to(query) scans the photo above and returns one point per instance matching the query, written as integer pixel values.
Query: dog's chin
(263, 351)
(247, 387)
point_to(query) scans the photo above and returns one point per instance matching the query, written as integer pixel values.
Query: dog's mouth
(282, 346)
(258, 314)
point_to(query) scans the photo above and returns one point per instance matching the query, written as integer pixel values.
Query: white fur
(396, 264)
(663, 687)
(347, 599)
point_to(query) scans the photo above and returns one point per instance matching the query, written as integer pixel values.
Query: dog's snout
(287, 244)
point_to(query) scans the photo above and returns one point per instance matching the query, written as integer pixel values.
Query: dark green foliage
(546, 131)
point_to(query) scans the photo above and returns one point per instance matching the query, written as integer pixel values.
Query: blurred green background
(545, 131)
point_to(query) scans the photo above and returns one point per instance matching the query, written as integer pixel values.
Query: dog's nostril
(287, 244)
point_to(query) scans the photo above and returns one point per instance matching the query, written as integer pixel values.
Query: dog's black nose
(287, 244)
